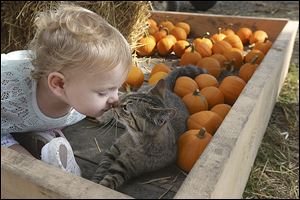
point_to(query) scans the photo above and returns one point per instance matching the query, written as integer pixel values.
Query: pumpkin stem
(196, 92)
(187, 46)
(201, 133)
(205, 34)
(254, 59)
(251, 45)
(219, 30)
(229, 65)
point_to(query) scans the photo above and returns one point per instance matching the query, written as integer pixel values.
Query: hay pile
(17, 18)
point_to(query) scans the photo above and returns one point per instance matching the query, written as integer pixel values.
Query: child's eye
(102, 93)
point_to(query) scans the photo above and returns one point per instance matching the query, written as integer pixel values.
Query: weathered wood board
(223, 169)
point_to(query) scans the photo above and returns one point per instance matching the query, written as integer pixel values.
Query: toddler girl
(73, 68)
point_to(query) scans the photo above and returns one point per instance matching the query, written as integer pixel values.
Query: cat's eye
(124, 107)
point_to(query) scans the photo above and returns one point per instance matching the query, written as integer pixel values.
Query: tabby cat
(154, 119)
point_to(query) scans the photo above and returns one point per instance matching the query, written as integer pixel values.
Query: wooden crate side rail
(225, 166)
(25, 177)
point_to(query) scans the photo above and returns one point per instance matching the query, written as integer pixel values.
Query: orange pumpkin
(135, 78)
(244, 33)
(161, 67)
(156, 77)
(185, 26)
(213, 96)
(172, 38)
(221, 58)
(179, 33)
(152, 22)
(184, 85)
(227, 31)
(211, 65)
(195, 102)
(165, 46)
(204, 119)
(147, 46)
(203, 40)
(254, 52)
(168, 24)
(206, 80)
(258, 36)
(263, 46)
(180, 47)
(231, 87)
(190, 58)
(221, 109)
(247, 70)
(220, 47)
(191, 144)
(202, 48)
(236, 56)
(235, 41)
(158, 35)
(217, 36)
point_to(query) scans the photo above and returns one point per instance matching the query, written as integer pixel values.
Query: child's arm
(20, 149)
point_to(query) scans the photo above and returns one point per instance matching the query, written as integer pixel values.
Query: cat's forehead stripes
(144, 98)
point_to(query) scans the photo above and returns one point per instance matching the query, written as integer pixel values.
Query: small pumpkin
(185, 26)
(206, 80)
(221, 58)
(247, 70)
(179, 33)
(258, 36)
(152, 22)
(254, 52)
(236, 56)
(184, 85)
(220, 47)
(227, 31)
(190, 58)
(180, 47)
(218, 36)
(235, 41)
(168, 24)
(231, 87)
(204, 40)
(195, 102)
(221, 109)
(135, 78)
(244, 33)
(263, 46)
(158, 35)
(147, 46)
(202, 48)
(156, 77)
(165, 46)
(213, 96)
(204, 119)
(161, 67)
(211, 65)
(191, 144)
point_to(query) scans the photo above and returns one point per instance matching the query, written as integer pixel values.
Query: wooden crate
(223, 169)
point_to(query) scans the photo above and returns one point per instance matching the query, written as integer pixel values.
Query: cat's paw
(107, 183)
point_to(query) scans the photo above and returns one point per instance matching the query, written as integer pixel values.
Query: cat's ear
(159, 89)
(163, 115)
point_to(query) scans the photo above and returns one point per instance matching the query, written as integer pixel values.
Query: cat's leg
(122, 169)
(108, 158)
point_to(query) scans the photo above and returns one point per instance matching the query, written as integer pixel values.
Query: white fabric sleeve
(8, 140)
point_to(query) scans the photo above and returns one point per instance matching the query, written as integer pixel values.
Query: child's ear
(56, 83)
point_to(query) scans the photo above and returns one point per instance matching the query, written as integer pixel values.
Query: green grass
(275, 173)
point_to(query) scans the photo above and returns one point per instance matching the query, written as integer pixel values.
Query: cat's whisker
(109, 126)
(104, 125)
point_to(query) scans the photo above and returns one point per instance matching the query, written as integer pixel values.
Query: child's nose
(113, 99)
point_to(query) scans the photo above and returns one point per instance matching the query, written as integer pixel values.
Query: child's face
(92, 94)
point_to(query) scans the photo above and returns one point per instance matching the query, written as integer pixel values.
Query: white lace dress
(19, 108)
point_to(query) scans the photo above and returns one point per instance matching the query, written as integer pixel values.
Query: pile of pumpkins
(207, 99)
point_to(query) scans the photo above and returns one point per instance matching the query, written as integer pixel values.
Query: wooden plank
(225, 166)
(25, 177)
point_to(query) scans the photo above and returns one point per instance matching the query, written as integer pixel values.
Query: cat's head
(145, 112)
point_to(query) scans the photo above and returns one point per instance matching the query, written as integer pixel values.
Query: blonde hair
(72, 36)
